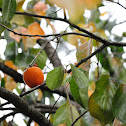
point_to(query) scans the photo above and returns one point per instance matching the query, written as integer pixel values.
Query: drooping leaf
(97, 112)
(54, 78)
(63, 115)
(104, 92)
(8, 10)
(100, 102)
(82, 52)
(75, 91)
(119, 103)
(82, 82)
(41, 59)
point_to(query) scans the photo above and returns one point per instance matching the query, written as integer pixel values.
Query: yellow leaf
(91, 4)
(10, 84)
(102, 34)
(82, 52)
(10, 64)
(40, 8)
(35, 29)
(90, 92)
(19, 5)
(73, 39)
(28, 42)
(76, 7)
(40, 95)
(18, 19)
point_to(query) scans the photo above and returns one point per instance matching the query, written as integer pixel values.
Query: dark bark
(9, 71)
(51, 53)
(23, 107)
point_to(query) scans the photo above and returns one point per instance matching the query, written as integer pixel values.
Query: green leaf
(54, 78)
(1, 3)
(100, 102)
(82, 82)
(105, 61)
(11, 51)
(119, 103)
(8, 10)
(21, 57)
(63, 115)
(97, 112)
(41, 59)
(104, 92)
(75, 91)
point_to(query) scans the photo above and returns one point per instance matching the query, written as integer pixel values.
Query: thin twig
(79, 117)
(58, 34)
(119, 4)
(39, 53)
(99, 39)
(10, 114)
(88, 57)
(33, 89)
(53, 106)
(10, 108)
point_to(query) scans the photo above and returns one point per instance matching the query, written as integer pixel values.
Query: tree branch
(23, 107)
(7, 115)
(88, 57)
(50, 51)
(79, 118)
(16, 76)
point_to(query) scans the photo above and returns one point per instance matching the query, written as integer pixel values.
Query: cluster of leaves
(104, 98)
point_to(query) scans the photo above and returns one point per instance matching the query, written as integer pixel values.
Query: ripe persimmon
(33, 76)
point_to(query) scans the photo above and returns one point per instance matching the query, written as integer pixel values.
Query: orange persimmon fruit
(33, 76)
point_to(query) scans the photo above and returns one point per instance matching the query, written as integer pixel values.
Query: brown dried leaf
(82, 52)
